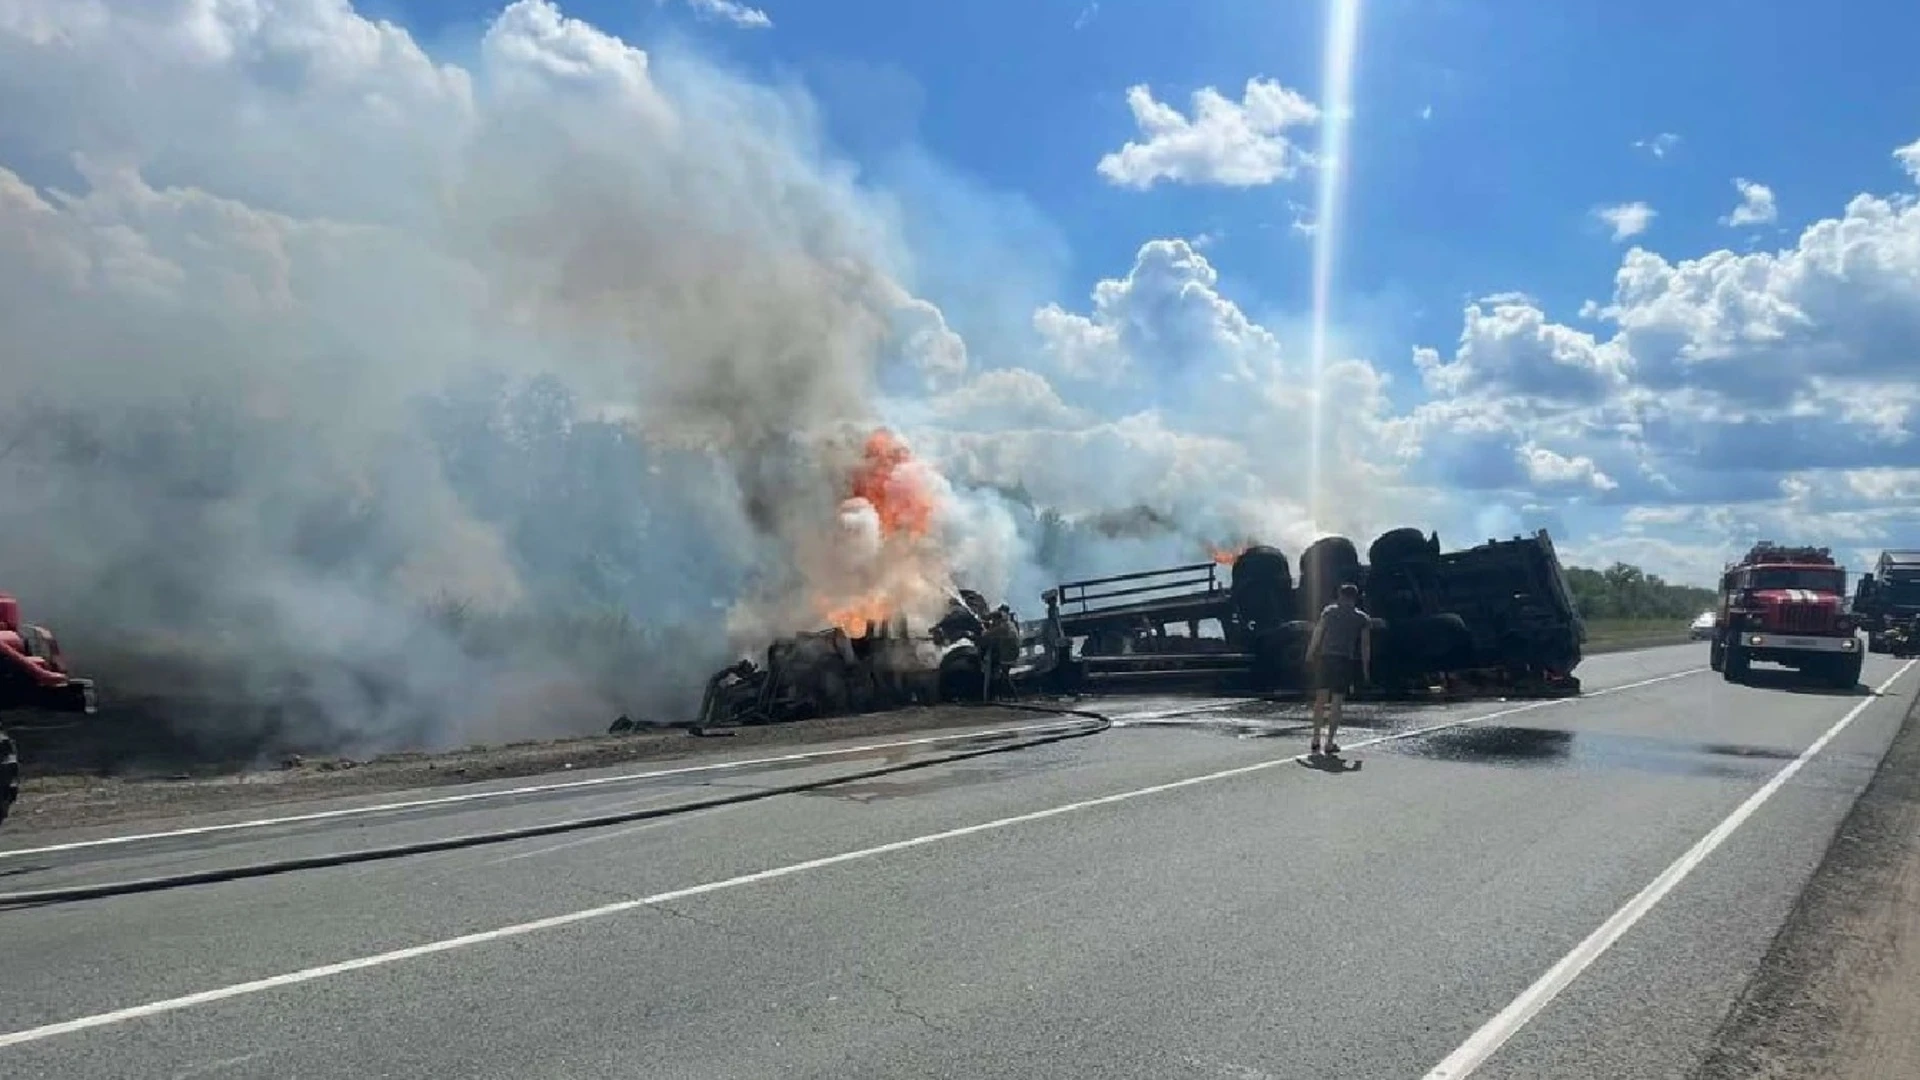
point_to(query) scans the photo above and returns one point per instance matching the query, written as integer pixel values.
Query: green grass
(1604, 635)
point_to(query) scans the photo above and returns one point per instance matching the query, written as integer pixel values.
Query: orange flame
(854, 618)
(889, 483)
(896, 487)
(1226, 556)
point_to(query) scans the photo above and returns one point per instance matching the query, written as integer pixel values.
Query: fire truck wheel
(1844, 673)
(1736, 664)
(9, 775)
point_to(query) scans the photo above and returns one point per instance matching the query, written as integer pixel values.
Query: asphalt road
(1175, 897)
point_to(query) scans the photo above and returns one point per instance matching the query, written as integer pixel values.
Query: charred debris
(1497, 618)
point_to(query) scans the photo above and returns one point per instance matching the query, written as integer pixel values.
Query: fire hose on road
(1093, 723)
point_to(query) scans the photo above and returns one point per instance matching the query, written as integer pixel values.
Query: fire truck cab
(1787, 606)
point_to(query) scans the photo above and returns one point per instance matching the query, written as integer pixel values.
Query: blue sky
(1546, 309)
(1536, 113)
(1484, 139)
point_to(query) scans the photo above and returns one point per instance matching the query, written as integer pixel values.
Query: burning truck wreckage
(1495, 619)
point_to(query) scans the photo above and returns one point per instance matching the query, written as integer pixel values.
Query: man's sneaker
(1313, 747)
(1332, 747)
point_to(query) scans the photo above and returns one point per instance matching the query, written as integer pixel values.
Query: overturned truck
(1498, 617)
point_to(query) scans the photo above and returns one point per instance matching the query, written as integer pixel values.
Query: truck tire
(1410, 649)
(1844, 671)
(9, 775)
(1876, 643)
(1736, 664)
(1262, 587)
(1402, 545)
(1717, 655)
(1325, 565)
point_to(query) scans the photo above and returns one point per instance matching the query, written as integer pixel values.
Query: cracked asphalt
(1176, 897)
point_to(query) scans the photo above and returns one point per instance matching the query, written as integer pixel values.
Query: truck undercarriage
(1496, 618)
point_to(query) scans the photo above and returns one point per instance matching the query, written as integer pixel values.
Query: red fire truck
(1787, 606)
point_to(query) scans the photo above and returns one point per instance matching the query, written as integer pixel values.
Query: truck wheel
(1845, 672)
(9, 775)
(1717, 655)
(1401, 545)
(1876, 643)
(1736, 664)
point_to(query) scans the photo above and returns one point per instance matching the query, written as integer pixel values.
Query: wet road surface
(1180, 896)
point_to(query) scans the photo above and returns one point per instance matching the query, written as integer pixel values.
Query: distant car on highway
(1702, 627)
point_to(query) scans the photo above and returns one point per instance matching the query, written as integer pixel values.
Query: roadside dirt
(73, 799)
(1838, 996)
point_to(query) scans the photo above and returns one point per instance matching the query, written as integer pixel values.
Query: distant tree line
(1622, 591)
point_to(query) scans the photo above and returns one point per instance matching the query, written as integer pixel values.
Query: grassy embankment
(1615, 635)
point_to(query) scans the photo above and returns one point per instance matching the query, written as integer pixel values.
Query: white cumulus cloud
(1756, 205)
(731, 11)
(1232, 144)
(1909, 158)
(1169, 396)
(1727, 396)
(1627, 220)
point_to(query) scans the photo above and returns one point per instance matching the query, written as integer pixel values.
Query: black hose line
(1096, 723)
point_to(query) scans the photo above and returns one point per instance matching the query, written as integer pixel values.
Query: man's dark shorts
(1335, 673)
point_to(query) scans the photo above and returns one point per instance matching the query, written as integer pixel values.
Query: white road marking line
(529, 789)
(293, 978)
(1495, 1032)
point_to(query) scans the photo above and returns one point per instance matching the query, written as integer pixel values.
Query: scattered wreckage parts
(968, 654)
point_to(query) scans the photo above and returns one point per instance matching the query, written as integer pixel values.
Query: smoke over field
(356, 400)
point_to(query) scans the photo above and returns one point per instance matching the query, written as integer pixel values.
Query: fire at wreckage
(1495, 618)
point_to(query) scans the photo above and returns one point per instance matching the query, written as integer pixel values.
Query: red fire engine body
(1786, 605)
(33, 675)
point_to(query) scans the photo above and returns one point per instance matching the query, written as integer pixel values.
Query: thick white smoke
(360, 399)
(306, 336)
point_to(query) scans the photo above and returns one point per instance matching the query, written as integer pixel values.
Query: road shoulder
(1838, 995)
(57, 803)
